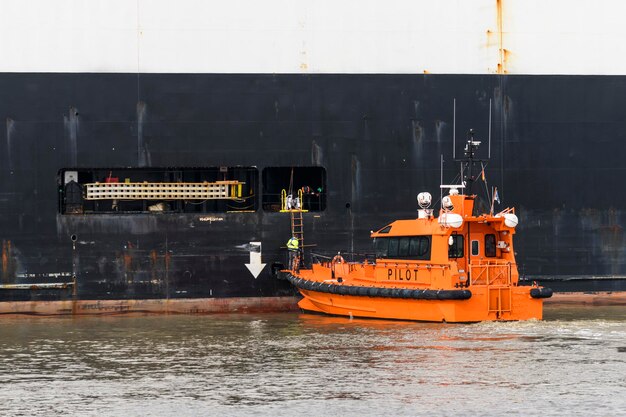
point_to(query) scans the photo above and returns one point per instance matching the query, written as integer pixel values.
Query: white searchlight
(452, 220)
(424, 199)
(510, 220)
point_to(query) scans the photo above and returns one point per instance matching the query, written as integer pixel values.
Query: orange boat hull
(485, 304)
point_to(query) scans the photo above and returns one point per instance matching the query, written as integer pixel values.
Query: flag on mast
(496, 196)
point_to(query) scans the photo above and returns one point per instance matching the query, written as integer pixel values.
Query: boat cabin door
(457, 251)
(469, 254)
(475, 255)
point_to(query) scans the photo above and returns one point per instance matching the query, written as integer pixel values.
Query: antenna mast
(489, 153)
(470, 150)
(441, 181)
(454, 129)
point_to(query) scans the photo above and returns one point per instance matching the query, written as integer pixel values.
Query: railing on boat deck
(348, 257)
(490, 272)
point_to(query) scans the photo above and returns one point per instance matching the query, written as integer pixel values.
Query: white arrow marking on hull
(255, 266)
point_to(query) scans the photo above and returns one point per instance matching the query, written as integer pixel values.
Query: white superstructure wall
(314, 36)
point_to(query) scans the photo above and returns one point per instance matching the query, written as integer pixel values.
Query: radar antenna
(467, 163)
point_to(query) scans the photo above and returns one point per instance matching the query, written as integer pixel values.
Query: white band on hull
(312, 36)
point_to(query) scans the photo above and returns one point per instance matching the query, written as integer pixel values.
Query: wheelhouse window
(380, 247)
(490, 245)
(475, 247)
(393, 248)
(385, 229)
(406, 247)
(456, 249)
(403, 247)
(157, 190)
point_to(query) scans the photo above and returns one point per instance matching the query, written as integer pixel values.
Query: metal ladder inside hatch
(295, 210)
(297, 226)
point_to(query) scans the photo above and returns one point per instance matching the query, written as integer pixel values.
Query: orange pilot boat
(456, 267)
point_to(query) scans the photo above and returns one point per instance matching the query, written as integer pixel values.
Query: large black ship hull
(557, 145)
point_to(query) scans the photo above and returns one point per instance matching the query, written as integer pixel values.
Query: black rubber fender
(454, 295)
(541, 292)
(405, 293)
(417, 294)
(384, 292)
(428, 295)
(362, 291)
(373, 292)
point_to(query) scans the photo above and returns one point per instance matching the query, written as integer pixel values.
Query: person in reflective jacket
(292, 247)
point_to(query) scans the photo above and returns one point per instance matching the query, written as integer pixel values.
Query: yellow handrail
(283, 199)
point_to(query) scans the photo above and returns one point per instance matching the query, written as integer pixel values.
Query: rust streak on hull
(501, 57)
(594, 299)
(156, 306)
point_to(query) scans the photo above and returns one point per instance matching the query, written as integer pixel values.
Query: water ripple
(573, 363)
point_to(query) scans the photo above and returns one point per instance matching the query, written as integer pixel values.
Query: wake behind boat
(457, 267)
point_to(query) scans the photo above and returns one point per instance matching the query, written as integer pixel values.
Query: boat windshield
(406, 247)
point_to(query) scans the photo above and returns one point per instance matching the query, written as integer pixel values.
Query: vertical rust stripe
(501, 69)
